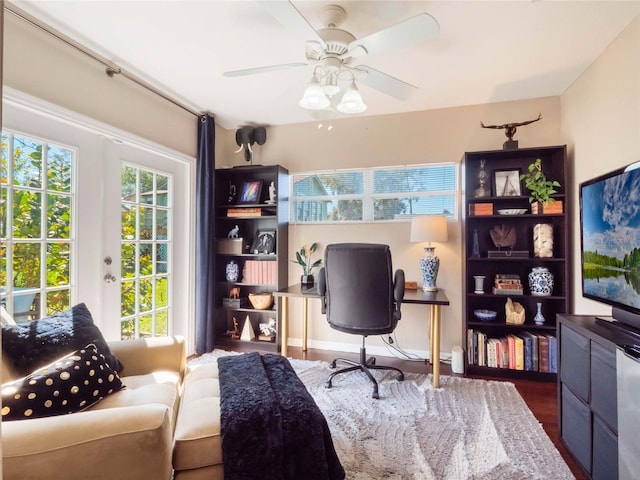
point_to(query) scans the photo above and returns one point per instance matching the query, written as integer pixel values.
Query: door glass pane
(59, 169)
(27, 162)
(27, 214)
(26, 265)
(58, 264)
(58, 216)
(145, 253)
(36, 205)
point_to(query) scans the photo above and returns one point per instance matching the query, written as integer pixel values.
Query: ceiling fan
(335, 53)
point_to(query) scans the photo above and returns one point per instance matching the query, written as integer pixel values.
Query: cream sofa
(165, 424)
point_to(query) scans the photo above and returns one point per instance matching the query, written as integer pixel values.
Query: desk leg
(431, 323)
(435, 343)
(284, 326)
(305, 323)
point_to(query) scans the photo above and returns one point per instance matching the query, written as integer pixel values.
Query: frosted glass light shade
(351, 101)
(314, 97)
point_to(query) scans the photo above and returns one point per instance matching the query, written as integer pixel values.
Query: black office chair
(360, 296)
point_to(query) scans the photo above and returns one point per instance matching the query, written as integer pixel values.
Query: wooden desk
(433, 299)
(299, 291)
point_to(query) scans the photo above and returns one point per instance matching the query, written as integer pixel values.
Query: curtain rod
(111, 68)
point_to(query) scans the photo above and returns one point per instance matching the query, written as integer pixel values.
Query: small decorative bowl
(485, 315)
(512, 211)
(261, 301)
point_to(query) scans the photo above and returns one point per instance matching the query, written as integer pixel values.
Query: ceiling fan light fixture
(351, 101)
(314, 97)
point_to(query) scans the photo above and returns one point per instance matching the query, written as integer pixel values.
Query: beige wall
(415, 138)
(601, 127)
(38, 64)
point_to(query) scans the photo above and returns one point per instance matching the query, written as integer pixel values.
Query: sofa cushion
(31, 345)
(70, 384)
(197, 439)
(161, 387)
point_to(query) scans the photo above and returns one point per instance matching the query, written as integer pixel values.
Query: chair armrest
(147, 355)
(322, 289)
(126, 443)
(398, 290)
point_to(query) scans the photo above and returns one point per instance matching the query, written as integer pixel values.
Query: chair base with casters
(365, 365)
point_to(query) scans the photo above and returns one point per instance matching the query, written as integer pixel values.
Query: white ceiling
(485, 52)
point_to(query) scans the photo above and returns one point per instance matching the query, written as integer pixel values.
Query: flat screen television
(610, 241)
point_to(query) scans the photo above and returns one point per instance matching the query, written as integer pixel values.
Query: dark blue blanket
(271, 427)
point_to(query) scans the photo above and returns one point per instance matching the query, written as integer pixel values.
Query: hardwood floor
(541, 397)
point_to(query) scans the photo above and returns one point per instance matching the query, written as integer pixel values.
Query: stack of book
(479, 209)
(244, 212)
(260, 272)
(528, 351)
(507, 284)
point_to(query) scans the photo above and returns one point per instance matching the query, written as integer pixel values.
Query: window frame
(368, 196)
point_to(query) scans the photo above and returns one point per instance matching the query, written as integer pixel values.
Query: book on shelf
(260, 272)
(543, 353)
(553, 354)
(507, 284)
(244, 212)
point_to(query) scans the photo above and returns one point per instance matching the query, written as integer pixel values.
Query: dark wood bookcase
(269, 270)
(480, 215)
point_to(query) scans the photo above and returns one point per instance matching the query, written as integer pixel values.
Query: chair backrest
(358, 286)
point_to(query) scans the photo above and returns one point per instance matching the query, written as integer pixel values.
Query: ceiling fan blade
(253, 71)
(415, 30)
(289, 16)
(385, 83)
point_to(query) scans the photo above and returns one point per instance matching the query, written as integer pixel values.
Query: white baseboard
(378, 350)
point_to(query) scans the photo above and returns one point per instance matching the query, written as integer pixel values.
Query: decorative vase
(479, 283)
(539, 318)
(543, 240)
(307, 280)
(232, 271)
(541, 281)
(429, 265)
(475, 251)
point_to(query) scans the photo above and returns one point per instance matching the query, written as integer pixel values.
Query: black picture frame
(264, 242)
(250, 192)
(506, 183)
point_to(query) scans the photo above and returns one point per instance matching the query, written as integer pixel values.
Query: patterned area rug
(467, 429)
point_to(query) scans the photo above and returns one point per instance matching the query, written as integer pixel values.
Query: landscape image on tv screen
(611, 239)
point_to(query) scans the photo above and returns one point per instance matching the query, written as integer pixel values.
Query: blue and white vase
(232, 271)
(541, 281)
(429, 265)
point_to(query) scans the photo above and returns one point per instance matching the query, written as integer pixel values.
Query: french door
(129, 236)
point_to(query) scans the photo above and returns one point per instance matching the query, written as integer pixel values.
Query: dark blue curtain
(205, 235)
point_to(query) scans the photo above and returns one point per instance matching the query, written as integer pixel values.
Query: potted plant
(540, 189)
(303, 258)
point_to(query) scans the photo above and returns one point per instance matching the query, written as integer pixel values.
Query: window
(377, 194)
(36, 208)
(146, 211)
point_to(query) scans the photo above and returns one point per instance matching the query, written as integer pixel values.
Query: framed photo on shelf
(265, 242)
(506, 183)
(250, 192)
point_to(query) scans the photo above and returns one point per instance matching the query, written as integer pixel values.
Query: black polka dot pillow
(70, 384)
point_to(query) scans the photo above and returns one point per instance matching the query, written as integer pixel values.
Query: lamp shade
(352, 101)
(429, 228)
(314, 97)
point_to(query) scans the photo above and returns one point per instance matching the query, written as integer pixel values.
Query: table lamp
(429, 228)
